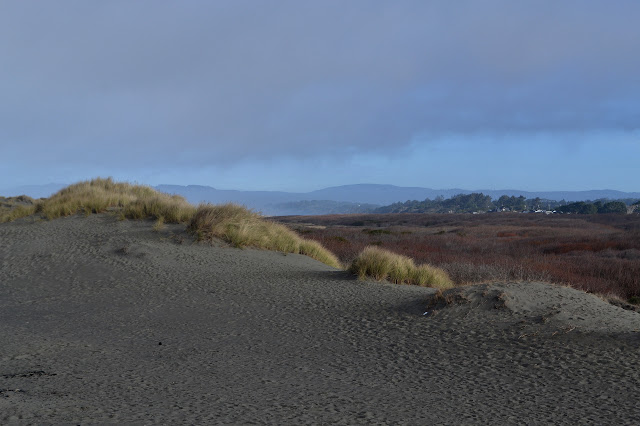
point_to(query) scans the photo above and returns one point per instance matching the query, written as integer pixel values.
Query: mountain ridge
(354, 195)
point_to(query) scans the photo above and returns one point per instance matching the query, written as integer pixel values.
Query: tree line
(478, 202)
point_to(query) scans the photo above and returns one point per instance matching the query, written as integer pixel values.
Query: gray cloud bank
(204, 82)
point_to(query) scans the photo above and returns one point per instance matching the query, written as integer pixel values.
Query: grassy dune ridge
(232, 223)
(132, 201)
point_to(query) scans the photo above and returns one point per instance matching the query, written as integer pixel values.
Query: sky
(302, 95)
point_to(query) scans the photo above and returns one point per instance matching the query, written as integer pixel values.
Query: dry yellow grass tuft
(159, 225)
(379, 264)
(243, 228)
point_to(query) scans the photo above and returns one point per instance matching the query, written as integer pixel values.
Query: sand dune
(106, 321)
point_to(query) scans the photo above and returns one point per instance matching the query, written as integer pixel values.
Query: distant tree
(468, 203)
(613, 207)
(579, 208)
(627, 201)
(503, 202)
(536, 203)
(588, 208)
(461, 203)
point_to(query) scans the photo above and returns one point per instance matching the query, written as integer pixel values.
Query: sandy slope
(109, 322)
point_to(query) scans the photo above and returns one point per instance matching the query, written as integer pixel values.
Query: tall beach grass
(16, 212)
(100, 195)
(241, 227)
(379, 264)
(12, 208)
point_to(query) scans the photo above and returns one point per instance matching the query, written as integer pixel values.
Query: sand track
(109, 322)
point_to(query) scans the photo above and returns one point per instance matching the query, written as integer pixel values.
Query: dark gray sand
(104, 321)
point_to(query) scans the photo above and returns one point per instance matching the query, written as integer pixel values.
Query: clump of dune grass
(241, 227)
(16, 212)
(379, 264)
(12, 208)
(100, 195)
(159, 225)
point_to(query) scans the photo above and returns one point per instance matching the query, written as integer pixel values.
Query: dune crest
(538, 308)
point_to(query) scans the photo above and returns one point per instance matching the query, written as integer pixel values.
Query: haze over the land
(298, 96)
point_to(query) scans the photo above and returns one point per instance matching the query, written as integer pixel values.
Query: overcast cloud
(170, 84)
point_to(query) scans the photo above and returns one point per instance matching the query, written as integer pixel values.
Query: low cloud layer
(213, 83)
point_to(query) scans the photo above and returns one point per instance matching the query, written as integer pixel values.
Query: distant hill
(33, 191)
(328, 200)
(381, 194)
(319, 207)
(255, 199)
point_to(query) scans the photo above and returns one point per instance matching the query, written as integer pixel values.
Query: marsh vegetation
(594, 253)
